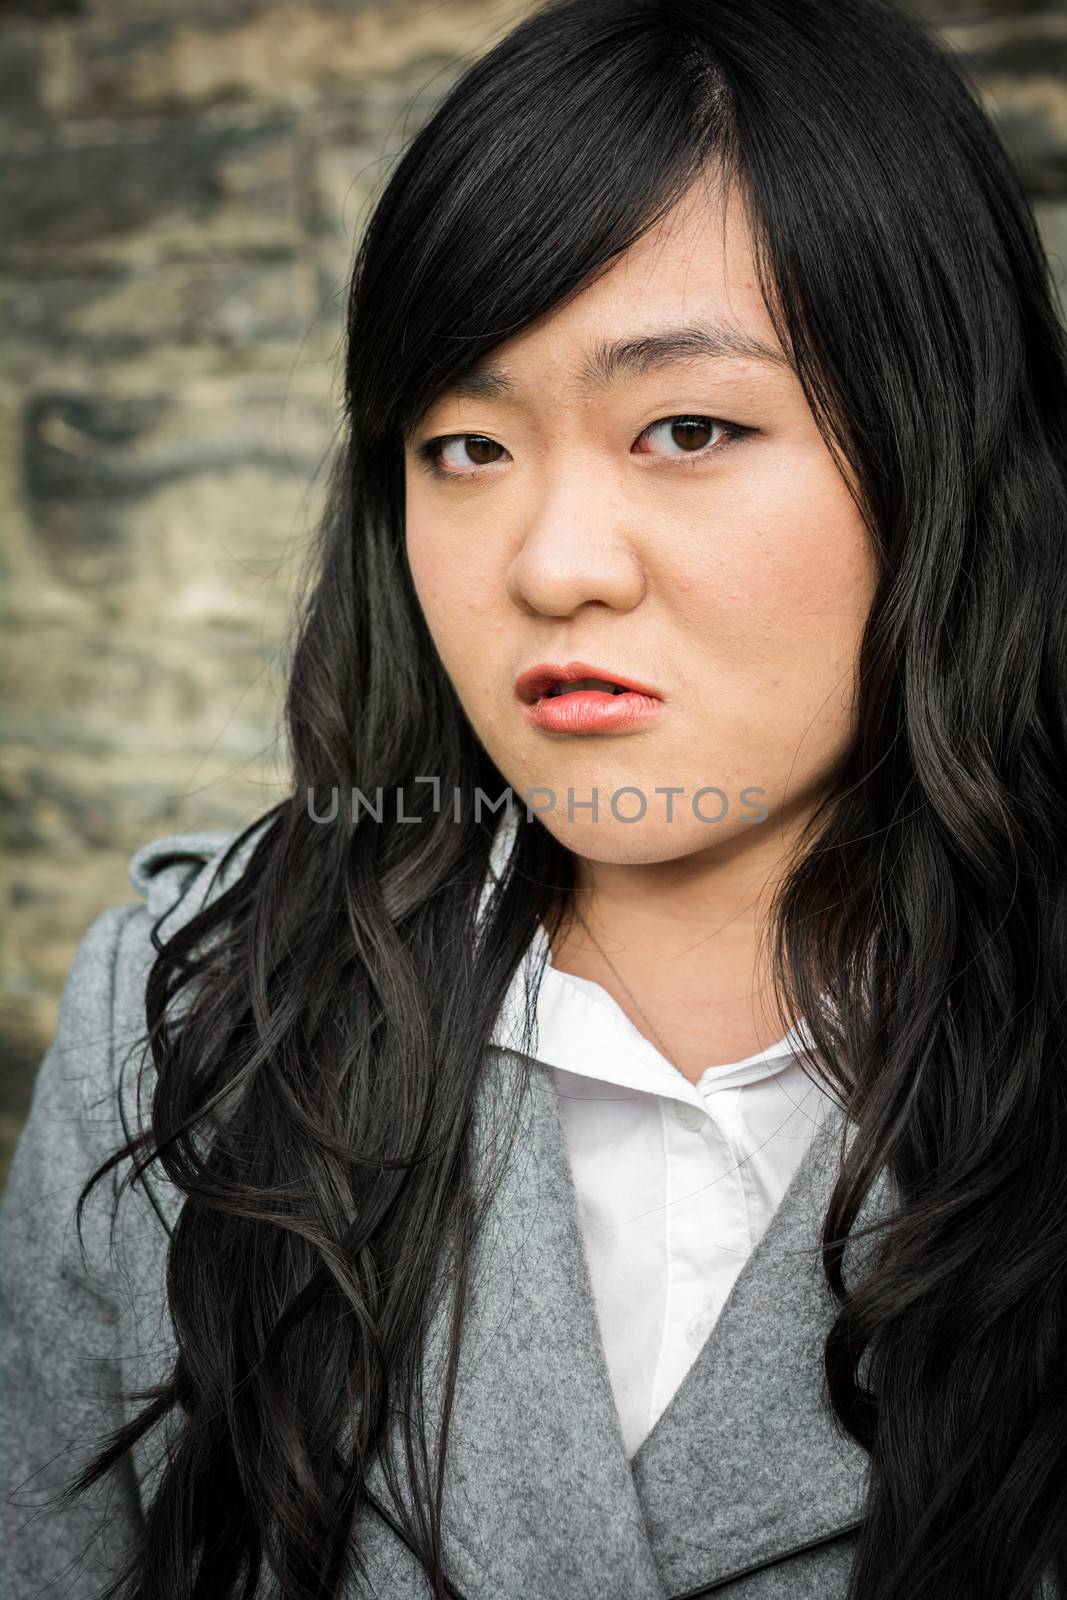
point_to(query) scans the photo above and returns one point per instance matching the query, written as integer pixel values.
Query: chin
(644, 843)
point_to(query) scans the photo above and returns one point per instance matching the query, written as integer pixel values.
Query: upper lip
(538, 681)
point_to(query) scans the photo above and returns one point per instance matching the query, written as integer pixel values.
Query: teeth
(586, 683)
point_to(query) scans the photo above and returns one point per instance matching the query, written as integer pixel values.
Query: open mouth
(576, 698)
(601, 684)
(551, 682)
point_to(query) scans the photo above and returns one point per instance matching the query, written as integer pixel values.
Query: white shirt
(676, 1182)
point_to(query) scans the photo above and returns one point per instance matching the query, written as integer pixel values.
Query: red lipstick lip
(536, 682)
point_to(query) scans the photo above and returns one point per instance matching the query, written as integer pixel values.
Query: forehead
(685, 291)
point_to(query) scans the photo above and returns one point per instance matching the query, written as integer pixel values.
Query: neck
(687, 938)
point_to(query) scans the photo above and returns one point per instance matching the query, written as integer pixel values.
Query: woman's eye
(457, 455)
(693, 436)
(461, 455)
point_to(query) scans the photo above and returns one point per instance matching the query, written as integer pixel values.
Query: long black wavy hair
(340, 996)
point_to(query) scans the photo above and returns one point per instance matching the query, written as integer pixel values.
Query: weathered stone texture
(182, 186)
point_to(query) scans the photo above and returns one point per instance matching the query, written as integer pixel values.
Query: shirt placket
(706, 1232)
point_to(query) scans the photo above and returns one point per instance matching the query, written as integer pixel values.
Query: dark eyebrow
(610, 360)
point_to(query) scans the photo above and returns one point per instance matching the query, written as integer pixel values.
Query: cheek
(457, 595)
(445, 590)
(451, 566)
(773, 599)
(784, 569)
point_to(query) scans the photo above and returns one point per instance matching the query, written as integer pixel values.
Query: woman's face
(593, 504)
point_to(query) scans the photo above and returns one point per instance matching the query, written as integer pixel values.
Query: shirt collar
(581, 1028)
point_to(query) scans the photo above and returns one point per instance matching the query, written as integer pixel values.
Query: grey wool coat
(744, 1489)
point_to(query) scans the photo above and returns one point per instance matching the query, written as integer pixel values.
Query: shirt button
(689, 1116)
(699, 1329)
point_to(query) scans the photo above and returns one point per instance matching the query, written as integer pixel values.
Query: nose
(577, 548)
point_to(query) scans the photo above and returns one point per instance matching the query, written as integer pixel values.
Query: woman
(660, 1199)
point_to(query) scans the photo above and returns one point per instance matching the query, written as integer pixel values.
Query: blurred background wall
(182, 185)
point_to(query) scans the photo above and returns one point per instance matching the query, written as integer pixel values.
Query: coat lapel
(745, 1464)
(540, 1499)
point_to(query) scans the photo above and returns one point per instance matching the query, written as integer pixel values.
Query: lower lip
(591, 711)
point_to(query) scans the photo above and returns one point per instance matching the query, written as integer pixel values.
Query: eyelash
(429, 451)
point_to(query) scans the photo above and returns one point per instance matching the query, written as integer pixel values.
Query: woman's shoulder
(174, 876)
(181, 871)
(80, 1085)
(163, 867)
(81, 1289)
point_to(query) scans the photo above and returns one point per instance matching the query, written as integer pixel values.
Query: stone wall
(181, 189)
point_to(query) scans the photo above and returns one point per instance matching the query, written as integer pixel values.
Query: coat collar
(746, 1464)
(541, 1499)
